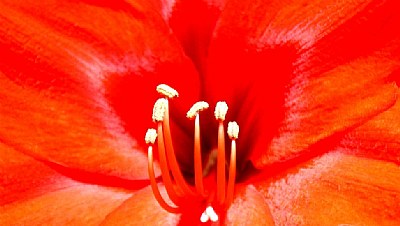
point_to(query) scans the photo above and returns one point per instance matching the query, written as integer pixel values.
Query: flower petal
(78, 81)
(141, 209)
(307, 70)
(193, 22)
(336, 189)
(22, 177)
(72, 206)
(378, 138)
(249, 208)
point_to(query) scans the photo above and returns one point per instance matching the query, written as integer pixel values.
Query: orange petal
(298, 72)
(141, 209)
(77, 205)
(78, 81)
(378, 138)
(249, 208)
(23, 177)
(336, 189)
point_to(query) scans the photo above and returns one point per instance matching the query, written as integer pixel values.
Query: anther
(220, 110)
(167, 91)
(196, 108)
(151, 136)
(233, 130)
(159, 110)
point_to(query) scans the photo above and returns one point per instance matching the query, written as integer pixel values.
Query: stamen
(198, 168)
(233, 133)
(159, 110)
(164, 166)
(220, 110)
(167, 91)
(220, 113)
(154, 186)
(176, 172)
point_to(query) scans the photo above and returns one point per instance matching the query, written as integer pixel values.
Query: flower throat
(177, 188)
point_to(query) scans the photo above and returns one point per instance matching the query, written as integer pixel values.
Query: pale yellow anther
(220, 110)
(196, 108)
(167, 91)
(159, 110)
(233, 130)
(151, 136)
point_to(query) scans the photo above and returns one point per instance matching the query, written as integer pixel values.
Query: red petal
(296, 74)
(141, 209)
(193, 23)
(78, 205)
(71, 72)
(378, 138)
(336, 189)
(249, 208)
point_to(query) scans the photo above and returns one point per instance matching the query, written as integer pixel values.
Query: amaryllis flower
(311, 85)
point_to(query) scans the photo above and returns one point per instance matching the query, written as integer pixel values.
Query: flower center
(178, 190)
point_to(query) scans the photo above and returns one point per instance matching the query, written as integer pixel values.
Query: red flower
(311, 84)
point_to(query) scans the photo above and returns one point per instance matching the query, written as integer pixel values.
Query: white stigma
(212, 214)
(167, 91)
(196, 108)
(159, 110)
(220, 110)
(151, 136)
(204, 218)
(233, 130)
(209, 214)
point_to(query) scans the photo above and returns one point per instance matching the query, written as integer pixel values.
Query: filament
(154, 186)
(198, 169)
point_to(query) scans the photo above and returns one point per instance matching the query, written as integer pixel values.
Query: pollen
(159, 110)
(151, 136)
(167, 91)
(233, 130)
(220, 110)
(194, 110)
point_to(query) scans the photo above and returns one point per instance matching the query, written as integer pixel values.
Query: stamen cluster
(176, 186)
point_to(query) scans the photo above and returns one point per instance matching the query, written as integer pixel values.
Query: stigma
(178, 190)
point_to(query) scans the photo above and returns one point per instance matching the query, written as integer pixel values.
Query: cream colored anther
(233, 130)
(221, 109)
(167, 91)
(151, 136)
(159, 110)
(196, 108)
